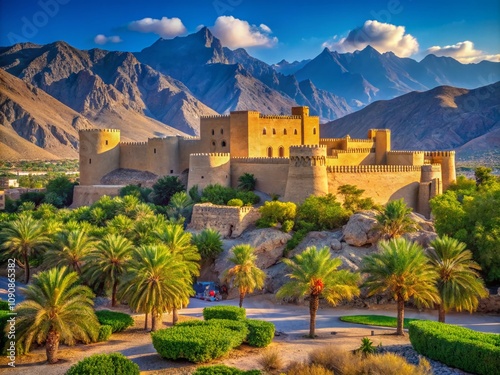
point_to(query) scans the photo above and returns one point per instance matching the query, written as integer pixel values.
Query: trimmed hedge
(105, 332)
(105, 364)
(261, 333)
(224, 312)
(4, 305)
(460, 347)
(196, 343)
(117, 320)
(223, 370)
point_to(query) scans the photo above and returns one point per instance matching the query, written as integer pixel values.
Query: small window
(274, 131)
(90, 161)
(213, 143)
(284, 131)
(202, 177)
(222, 131)
(154, 151)
(213, 132)
(269, 152)
(264, 131)
(106, 142)
(281, 151)
(314, 131)
(295, 132)
(223, 143)
(171, 171)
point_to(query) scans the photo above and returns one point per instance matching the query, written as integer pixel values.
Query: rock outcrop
(361, 229)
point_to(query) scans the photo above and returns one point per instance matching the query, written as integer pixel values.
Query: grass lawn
(375, 320)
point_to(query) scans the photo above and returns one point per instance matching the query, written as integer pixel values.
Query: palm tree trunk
(155, 320)
(51, 346)
(313, 308)
(113, 293)
(175, 316)
(26, 268)
(146, 322)
(401, 316)
(242, 297)
(442, 313)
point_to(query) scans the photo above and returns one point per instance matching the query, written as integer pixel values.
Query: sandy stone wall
(228, 221)
(99, 154)
(271, 174)
(133, 155)
(209, 169)
(86, 195)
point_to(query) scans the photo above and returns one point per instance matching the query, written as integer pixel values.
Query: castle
(284, 153)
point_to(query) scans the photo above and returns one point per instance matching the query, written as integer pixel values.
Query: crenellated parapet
(372, 168)
(399, 152)
(99, 130)
(355, 151)
(214, 116)
(133, 143)
(280, 117)
(260, 160)
(446, 154)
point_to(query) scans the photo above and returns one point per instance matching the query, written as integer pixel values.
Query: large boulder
(423, 223)
(318, 239)
(361, 229)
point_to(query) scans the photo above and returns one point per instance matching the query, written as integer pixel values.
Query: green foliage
(459, 347)
(394, 220)
(180, 206)
(61, 187)
(105, 332)
(261, 333)
(247, 182)
(321, 213)
(32, 196)
(4, 305)
(218, 194)
(165, 188)
(194, 194)
(4, 316)
(209, 243)
(352, 198)
(137, 191)
(200, 343)
(287, 226)
(223, 370)
(116, 320)
(376, 320)
(235, 202)
(297, 238)
(471, 215)
(224, 312)
(276, 212)
(366, 346)
(105, 364)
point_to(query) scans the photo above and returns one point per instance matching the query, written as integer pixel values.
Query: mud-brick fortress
(284, 153)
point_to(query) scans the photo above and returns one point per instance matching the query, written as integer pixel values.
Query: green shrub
(261, 333)
(104, 364)
(208, 242)
(322, 213)
(218, 194)
(105, 332)
(224, 312)
(275, 212)
(198, 343)
(287, 226)
(118, 321)
(4, 305)
(235, 202)
(223, 370)
(459, 347)
(240, 328)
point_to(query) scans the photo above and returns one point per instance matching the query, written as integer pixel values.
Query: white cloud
(236, 33)
(164, 27)
(464, 52)
(103, 39)
(383, 37)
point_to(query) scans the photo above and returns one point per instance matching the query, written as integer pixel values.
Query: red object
(212, 293)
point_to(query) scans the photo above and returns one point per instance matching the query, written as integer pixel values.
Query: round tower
(306, 173)
(209, 169)
(99, 154)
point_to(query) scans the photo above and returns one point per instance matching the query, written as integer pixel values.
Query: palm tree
(459, 283)
(23, 238)
(56, 309)
(395, 219)
(245, 274)
(401, 269)
(209, 243)
(314, 274)
(108, 261)
(179, 243)
(247, 182)
(70, 249)
(155, 281)
(180, 206)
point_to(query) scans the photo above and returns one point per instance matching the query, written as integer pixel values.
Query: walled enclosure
(284, 153)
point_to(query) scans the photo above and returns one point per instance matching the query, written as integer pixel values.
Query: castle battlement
(133, 143)
(333, 139)
(355, 151)
(439, 153)
(360, 140)
(214, 116)
(399, 152)
(372, 168)
(280, 117)
(278, 160)
(307, 146)
(223, 154)
(100, 130)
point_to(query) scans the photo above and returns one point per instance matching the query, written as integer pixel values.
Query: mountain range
(166, 87)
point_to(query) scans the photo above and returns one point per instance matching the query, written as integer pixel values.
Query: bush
(275, 212)
(105, 332)
(197, 343)
(4, 305)
(240, 328)
(322, 213)
(164, 188)
(118, 321)
(209, 243)
(235, 202)
(221, 195)
(223, 370)
(261, 333)
(271, 360)
(104, 364)
(287, 226)
(305, 369)
(459, 347)
(224, 312)
(247, 182)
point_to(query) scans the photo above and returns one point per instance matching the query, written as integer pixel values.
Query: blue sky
(269, 30)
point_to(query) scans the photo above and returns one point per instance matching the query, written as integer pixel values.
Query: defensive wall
(86, 195)
(228, 221)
